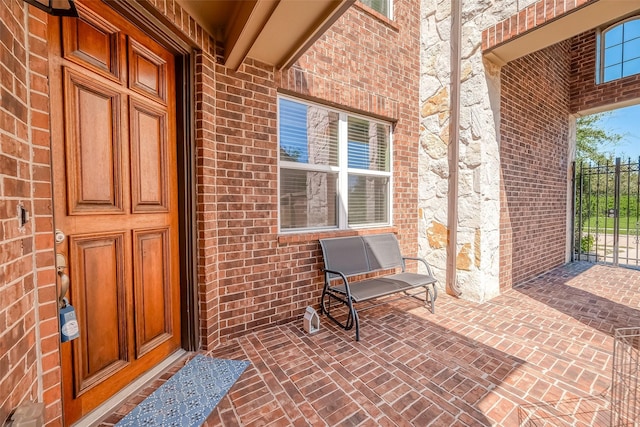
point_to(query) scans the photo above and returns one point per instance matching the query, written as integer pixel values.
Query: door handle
(61, 265)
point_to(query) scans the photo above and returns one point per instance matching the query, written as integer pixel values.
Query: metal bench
(345, 257)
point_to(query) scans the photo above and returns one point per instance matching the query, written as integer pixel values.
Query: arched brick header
(527, 19)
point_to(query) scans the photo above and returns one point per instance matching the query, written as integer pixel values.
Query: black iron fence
(607, 212)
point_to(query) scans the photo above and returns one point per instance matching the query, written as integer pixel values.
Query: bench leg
(432, 294)
(435, 296)
(323, 309)
(352, 317)
(356, 321)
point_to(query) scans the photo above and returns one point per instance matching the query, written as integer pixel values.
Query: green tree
(593, 142)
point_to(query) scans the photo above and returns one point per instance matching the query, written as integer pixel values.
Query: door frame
(165, 34)
(152, 23)
(183, 51)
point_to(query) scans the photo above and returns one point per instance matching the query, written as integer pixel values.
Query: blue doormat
(189, 396)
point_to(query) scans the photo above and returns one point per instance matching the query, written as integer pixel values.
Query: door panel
(148, 158)
(115, 198)
(94, 43)
(92, 116)
(147, 72)
(99, 263)
(153, 322)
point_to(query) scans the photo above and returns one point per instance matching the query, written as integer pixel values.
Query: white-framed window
(620, 50)
(334, 169)
(382, 6)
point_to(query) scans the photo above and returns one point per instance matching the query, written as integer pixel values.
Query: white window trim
(343, 173)
(600, 36)
(389, 6)
(342, 216)
(599, 56)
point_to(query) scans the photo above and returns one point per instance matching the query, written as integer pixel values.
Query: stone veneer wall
(505, 219)
(477, 254)
(535, 163)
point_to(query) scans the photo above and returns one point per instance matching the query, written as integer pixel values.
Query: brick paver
(549, 340)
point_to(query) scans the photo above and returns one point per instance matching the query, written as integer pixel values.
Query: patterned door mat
(189, 396)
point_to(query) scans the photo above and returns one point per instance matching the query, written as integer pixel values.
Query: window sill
(314, 236)
(377, 15)
(620, 80)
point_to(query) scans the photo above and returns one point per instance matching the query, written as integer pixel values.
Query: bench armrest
(422, 260)
(344, 279)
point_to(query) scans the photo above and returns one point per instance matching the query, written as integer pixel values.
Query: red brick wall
(527, 19)
(266, 278)
(206, 209)
(534, 159)
(28, 316)
(246, 177)
(585, 93)
(370, 64)
(249, 276)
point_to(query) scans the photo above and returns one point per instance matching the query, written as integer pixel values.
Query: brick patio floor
(549, 340)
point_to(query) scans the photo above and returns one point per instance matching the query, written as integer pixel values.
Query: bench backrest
(383, 251)
(345, 254)
(361, 254)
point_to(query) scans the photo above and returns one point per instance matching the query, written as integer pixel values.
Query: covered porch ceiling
(276, 32)
(584, 18)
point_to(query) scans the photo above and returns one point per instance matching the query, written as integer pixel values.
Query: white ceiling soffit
(588, 17)
(275, 32)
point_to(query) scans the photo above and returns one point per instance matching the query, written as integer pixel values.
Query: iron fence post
(616, 213)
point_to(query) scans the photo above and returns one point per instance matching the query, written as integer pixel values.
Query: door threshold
(110, 405)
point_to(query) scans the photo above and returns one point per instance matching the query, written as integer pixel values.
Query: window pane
(381, 6)
(632, 30)
(613, 55)
(308, 134)
(613, 72)
(307, 199)
(613, 36)
(368, 145)
(631, 50)
(631, 67)
(318, 148)
(368, 199)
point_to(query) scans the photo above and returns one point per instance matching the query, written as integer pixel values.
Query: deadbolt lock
(59, 236)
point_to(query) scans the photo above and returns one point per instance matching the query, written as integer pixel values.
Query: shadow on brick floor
(597, 295)
(469, 364)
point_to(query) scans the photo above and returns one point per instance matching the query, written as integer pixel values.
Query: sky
(626, 122)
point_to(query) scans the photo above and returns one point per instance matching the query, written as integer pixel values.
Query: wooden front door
(115, 200)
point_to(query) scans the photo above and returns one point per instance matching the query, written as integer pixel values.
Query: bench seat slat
(413, 279)
(382, 286)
